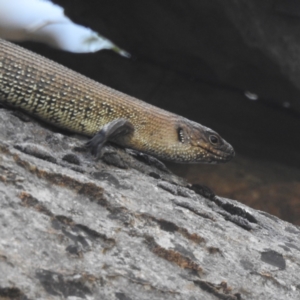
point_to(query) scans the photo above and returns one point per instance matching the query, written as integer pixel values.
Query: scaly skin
(72, 101)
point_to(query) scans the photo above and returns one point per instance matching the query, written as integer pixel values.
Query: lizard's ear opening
(181, 135)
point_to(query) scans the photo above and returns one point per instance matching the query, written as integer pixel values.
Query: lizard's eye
(180, 135)
(214, 139)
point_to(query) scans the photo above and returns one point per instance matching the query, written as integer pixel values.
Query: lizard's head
(202, 144)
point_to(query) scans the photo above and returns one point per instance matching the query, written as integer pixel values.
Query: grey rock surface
(118, 228)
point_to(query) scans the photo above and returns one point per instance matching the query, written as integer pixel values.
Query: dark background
(197, 59)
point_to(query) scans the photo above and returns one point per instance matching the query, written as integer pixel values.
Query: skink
(69, 100)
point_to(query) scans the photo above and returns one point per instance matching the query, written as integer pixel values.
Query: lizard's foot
(110, 131)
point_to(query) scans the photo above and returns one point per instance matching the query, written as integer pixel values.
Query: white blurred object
(251, 96)
(43, 21)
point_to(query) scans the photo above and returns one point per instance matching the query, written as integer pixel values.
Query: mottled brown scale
(72, 101)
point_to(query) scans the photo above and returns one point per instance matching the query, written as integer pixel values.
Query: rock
(106, 232)
(263, 185)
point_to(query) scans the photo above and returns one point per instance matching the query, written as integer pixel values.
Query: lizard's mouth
(215, 155)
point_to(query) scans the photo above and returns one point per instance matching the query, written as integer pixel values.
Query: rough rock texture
(76, 228)
(263, 185)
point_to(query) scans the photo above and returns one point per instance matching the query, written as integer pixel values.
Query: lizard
(64, 98)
